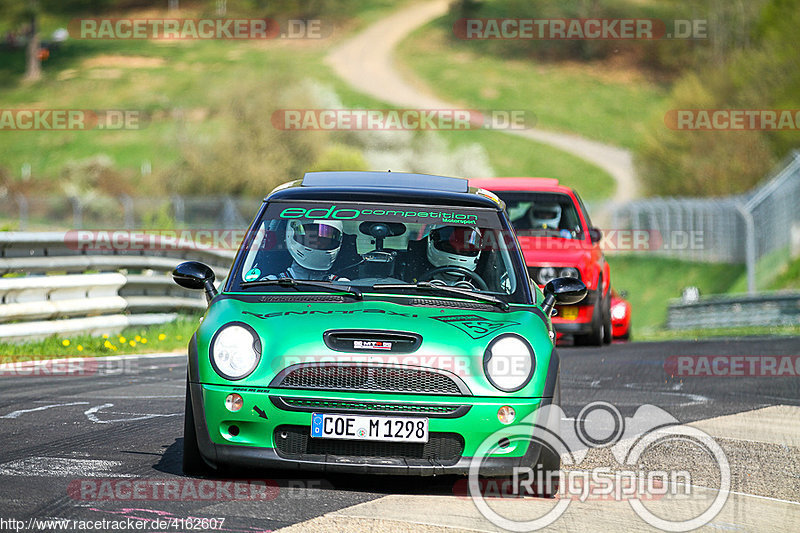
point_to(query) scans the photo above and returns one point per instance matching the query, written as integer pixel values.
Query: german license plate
(358, 427)
(568, 313)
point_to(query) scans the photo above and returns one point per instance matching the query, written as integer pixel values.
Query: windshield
(364, 244)
(543, 214)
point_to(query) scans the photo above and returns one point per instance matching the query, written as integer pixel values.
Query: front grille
(368, 378)
(295, 442)
(311, 404)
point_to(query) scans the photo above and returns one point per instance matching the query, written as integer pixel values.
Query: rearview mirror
(195, 275)
(595, 234)
(562, 291)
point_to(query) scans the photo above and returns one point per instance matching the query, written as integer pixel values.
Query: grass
(599, 101)
(182, 86)
(168, 337)
(697, 334)
(651, 282)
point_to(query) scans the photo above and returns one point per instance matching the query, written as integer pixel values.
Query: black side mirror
(562, 291)
(195, 275)
(595, 234)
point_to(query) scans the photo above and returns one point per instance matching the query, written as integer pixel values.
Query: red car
(620, 316)
(558, 240)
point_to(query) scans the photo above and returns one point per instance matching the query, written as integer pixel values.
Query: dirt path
(366, 62)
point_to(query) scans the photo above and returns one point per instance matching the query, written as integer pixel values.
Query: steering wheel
(472, 276)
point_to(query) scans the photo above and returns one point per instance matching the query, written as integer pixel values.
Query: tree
(28, 13)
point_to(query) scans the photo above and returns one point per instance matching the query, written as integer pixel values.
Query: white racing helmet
(544, 216)
(314, 244)
(457, 246)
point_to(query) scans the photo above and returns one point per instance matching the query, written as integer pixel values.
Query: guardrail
(765, 309)
(53, 285)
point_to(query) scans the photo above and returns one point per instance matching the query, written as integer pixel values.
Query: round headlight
(235, 351)
(618, 312)
(570, 272)
(508, 362)
(547, 274)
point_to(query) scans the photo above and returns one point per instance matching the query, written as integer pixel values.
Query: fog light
(506, 414)
(233, 430)
(234, 402)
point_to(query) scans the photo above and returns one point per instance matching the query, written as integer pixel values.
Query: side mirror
(595, 234)
(195, 275)
(562, 291)
(623, 294)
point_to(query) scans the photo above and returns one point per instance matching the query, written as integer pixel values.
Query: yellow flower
(137, 338)
(65, 342)
(122, 340)
(132, 343)
(105, 335)
(144, 340)
(161, 336)
(79, 348)
(107, 344)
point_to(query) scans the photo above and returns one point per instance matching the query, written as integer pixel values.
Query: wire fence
(760, 228)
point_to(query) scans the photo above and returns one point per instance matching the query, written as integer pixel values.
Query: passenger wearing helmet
(314, 246)
(544, 216)
(454, 246)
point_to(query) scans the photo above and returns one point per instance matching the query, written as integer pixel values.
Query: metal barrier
(766, 309)
(54, 285)
(746, 229)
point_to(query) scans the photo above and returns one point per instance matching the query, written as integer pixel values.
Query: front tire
(607, 333)
(193, 463)
(597, 335)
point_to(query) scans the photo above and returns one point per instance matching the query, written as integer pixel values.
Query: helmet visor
(318, 236)
(457, 240)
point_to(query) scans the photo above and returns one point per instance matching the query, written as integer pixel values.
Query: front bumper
(255, 444)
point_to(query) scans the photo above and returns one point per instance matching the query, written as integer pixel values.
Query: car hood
(453, 338)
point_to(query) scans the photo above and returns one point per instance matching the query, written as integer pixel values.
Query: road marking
(16, 414)
(61, 467)
(91, 414)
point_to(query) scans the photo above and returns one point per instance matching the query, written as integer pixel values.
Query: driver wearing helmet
(314, 246)
(544, 216)
(455, 248)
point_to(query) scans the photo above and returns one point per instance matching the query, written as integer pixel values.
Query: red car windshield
(543, 214)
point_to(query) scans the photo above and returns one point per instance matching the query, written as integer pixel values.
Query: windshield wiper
(427, 285)
(297, 283)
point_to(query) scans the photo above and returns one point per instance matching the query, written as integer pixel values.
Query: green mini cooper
(372, 322)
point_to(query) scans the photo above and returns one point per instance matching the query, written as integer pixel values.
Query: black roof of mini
(384, 186)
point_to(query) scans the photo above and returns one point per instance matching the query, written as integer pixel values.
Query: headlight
(235, 350)
(546, 274)
(570, 272)
(508, 362)
(618, 312)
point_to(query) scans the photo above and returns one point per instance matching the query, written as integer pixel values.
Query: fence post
(22, 202)
(750, 246)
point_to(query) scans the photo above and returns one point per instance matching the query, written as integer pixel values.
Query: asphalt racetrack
(63, 436)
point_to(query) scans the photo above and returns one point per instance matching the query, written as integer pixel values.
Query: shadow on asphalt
(170, 463)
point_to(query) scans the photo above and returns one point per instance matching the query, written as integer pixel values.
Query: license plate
(357, 427)
(568, 313)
